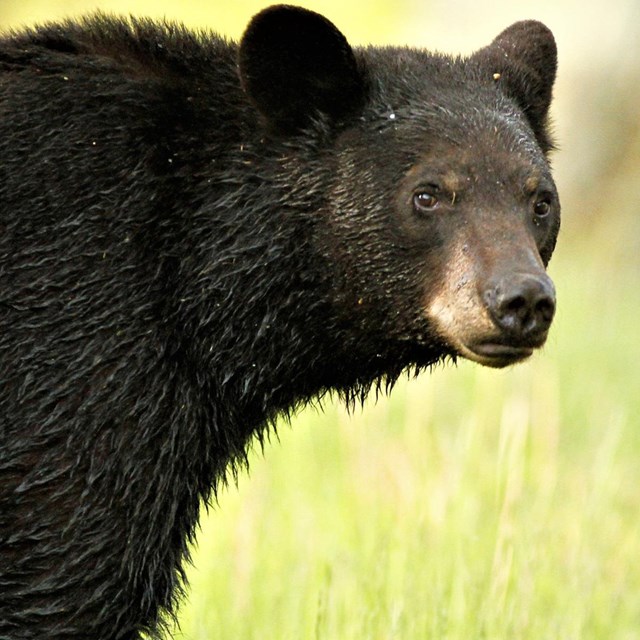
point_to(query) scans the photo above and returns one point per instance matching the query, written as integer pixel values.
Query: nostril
(545, 309)
(517, 305)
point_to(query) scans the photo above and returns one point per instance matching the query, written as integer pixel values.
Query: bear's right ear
(295, 65)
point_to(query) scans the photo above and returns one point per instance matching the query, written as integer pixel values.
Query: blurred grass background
(471, 503)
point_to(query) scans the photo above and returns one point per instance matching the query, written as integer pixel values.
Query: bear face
(464, 226)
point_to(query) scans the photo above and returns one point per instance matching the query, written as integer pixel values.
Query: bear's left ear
(524, 60)
(295, 64)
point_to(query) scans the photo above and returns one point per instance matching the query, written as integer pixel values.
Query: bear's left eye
(542, 206)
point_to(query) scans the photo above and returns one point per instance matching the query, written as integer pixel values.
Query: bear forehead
(414, 88)
(472, 138)
(455, 117)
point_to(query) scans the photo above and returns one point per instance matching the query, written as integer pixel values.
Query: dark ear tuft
(295, 64)
(524, 59)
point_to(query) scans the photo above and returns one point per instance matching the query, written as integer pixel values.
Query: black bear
(197, 236)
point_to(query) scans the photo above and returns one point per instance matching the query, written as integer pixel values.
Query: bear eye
(425, 200)
(542, 206)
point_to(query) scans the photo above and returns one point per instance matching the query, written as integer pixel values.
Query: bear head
(437, 212)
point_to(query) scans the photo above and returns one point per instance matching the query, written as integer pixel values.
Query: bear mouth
(495, 354)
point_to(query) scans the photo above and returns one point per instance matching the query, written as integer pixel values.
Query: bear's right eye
(425, 201)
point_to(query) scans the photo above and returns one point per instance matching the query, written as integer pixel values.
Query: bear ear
(524, 60)
(294, 65)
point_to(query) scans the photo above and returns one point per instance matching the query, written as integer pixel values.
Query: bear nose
(522, 305)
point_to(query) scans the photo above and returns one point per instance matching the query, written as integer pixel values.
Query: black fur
(188, 251)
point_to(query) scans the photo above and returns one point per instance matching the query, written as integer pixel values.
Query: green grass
(470, 504)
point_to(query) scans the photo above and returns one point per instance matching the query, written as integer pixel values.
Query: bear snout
(493, 320)
(522, 305)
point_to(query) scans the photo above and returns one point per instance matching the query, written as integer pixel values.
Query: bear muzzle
(495, 320)
(522, 307)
